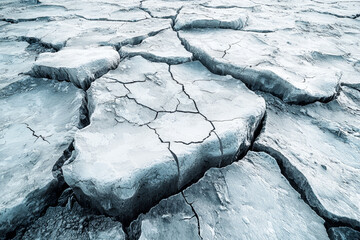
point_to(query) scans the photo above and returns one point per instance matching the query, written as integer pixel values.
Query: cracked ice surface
(38, 121)
(318, 145)
(245, 200)
(157, 127)
(149, 136)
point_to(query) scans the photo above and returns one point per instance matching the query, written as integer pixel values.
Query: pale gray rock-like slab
(318, 145)
(249, 199)
(203, 17)
(163, 47)
(145, 102)
(38, 121)
(73, 223)
(79, 66)
(14, 61)
(279, 63)
(343, 233)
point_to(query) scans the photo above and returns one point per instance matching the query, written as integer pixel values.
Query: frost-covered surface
(166, 90)
(245, 200)
(153, 130)
(38, 121)
(318, 145)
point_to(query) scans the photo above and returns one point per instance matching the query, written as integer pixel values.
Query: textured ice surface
(37, 123)
(249, 199)
(318, 145)
(149, 136)
(14, 61)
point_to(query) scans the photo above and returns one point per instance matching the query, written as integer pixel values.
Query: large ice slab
(163, 47)
(37, 124)
(79, 66)
(318, 145)
(155, 128)
(249, 199)
(280, 63)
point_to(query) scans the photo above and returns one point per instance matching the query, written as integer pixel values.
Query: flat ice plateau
(179, 119)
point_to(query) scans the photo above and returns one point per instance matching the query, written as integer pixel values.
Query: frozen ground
(159, 119)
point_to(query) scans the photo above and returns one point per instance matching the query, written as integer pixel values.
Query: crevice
(32, 40)
(195, 214)
(177, 162)
(221, 149)
(154, 58)
(110, 20)
(335, 15)
(137, 40)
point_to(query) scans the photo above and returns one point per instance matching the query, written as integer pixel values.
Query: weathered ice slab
(249, 199)
(154, 129)
(281, 64)
(37, 123)
(203, 17)
(163, 47)
(79, 66)
(318, 145)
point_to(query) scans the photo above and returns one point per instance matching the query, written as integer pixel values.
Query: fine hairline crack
(36, 135)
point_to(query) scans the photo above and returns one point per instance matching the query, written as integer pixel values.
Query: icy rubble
(180, 112)
(318, 146)
(245, 200)
(163, 47)
(79, 66)
(38, 121)
(73, 222)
